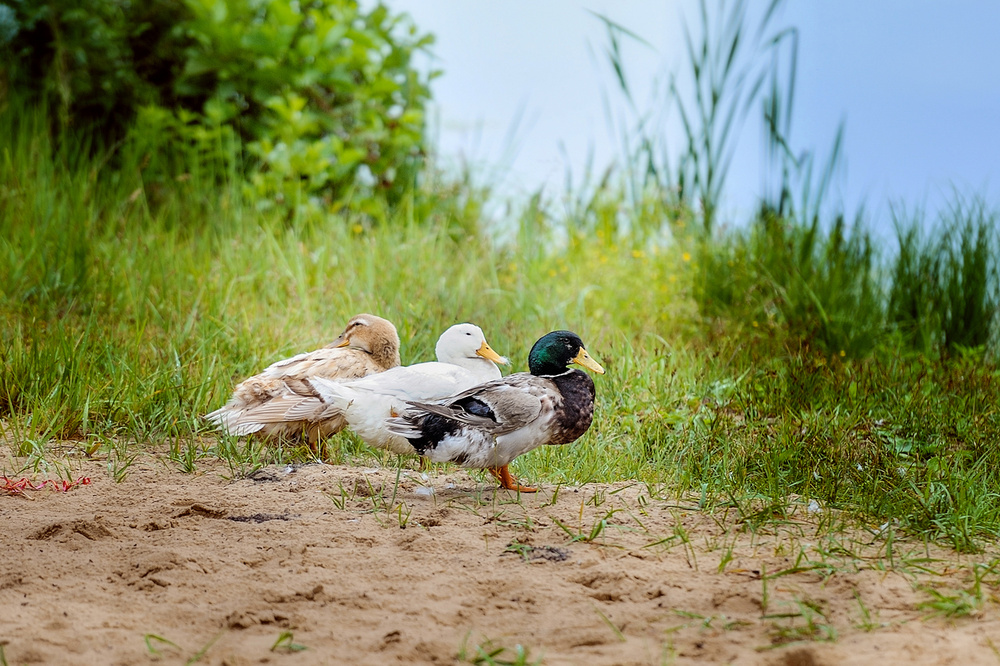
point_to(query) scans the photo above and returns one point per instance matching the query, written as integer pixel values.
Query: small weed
(152, 640)
(204, 649)
(597, 499)
(596, 530)
(524, 523)
(555, 496)
(665, 542)
(959, 603)
(286, 643)
(727, 557)
(184, 456)
(706, 621)
(488, 653)
(611, 625)
(765, 597)
(403, 517)
(522, 549)
(866, 623)
(119, 462)
(246, 456)
(805, 623)
(685, 539)
(340, 500)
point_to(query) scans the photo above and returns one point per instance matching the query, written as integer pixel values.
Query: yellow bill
(487, 352)
(583, 358)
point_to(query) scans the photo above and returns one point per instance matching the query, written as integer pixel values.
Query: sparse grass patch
(487, 652)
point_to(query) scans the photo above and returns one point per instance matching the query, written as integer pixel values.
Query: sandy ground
(315, 559)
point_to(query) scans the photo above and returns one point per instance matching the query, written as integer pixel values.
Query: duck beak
(342, 341)
(487, 352)
(583, 358)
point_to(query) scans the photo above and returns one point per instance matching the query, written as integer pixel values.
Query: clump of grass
(822, 288)
(945, 290)
(729, 61)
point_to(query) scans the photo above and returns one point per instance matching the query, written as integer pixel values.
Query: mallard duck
(465, 359)
(489, 425)
(368, 345)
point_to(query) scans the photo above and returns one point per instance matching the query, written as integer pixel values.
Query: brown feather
(368, 345)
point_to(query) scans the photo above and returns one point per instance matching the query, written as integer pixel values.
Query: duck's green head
(554, 351)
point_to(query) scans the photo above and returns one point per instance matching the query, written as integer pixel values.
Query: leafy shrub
(321, 95)
(96, 61)
(324, 95)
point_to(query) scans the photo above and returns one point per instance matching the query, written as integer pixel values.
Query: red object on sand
(18, 486)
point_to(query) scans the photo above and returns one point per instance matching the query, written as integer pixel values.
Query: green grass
(784, 357)
(488, 653)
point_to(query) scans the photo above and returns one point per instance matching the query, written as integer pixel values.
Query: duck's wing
(287, 378)
(422, 381)
(497, 407)
(319, 398)
(334, 363)
(275, 410)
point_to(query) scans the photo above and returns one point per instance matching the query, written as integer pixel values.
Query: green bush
(318, 100)
(96, 61)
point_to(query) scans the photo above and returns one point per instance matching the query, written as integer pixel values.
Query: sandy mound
(316, 559)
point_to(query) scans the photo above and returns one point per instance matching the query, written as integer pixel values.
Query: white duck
(465, 360)
(368, 345)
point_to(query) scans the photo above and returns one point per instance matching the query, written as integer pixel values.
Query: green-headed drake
(490, 425)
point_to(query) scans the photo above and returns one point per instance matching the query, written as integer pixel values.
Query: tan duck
(368, 345)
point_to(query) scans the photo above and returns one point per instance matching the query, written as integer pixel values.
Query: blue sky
(917, 84)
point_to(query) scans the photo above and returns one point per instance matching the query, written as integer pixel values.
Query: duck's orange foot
(508, 482)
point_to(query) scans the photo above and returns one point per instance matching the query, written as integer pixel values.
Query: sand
(177, 568)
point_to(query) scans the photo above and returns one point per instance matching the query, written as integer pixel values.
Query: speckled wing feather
(274, 409)
(344, 363)
(498, 407)
(260, 402)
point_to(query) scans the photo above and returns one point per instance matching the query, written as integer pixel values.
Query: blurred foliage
(97, 61)
(821, 287)
(317, 101)
(945, 289)
(727, 66)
